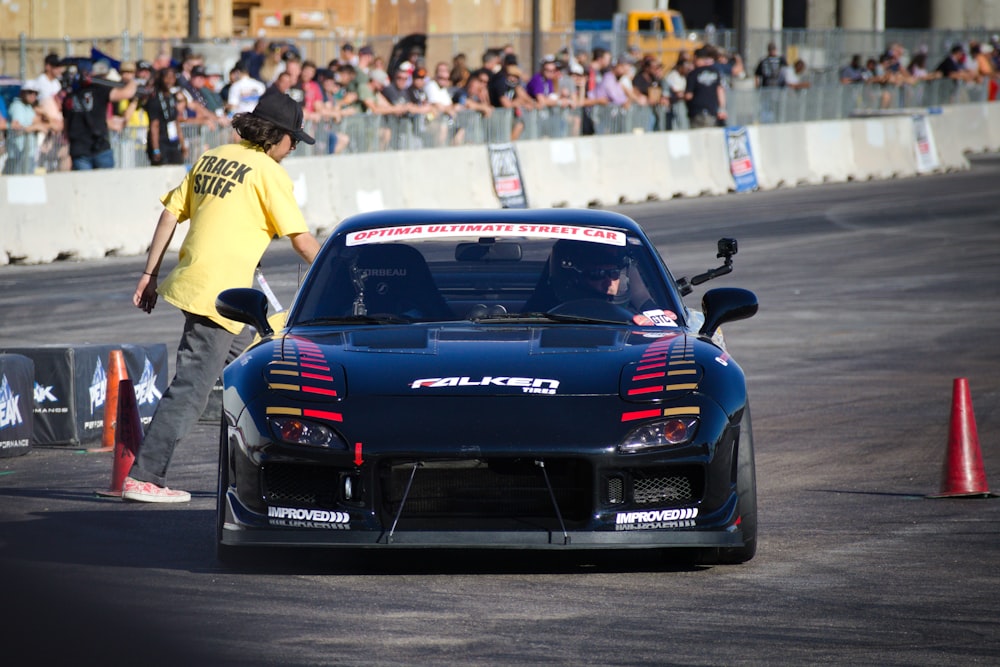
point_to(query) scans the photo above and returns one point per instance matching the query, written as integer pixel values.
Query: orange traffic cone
(116, 373)
(128, 438)
(963, 475)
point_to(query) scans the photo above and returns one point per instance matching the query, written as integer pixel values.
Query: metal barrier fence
(835, 101)
(29, 153)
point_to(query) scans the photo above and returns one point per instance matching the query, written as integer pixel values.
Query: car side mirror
(246, 305)
(726, 304)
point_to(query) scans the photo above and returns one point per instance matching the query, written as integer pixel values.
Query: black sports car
(517, 379)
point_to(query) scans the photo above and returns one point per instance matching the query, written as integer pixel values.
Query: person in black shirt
(85, 109)
(769, 72)
(953, 65)
(705, 94)
(165, 141)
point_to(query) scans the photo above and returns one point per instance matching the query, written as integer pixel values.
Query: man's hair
(257, 131)
(705, 52)
(477, 73)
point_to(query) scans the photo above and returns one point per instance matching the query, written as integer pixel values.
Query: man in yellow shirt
(237, 197)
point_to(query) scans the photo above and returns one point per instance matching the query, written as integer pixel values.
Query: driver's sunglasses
(601, 274)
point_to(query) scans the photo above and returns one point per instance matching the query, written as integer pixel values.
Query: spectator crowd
(80, 115)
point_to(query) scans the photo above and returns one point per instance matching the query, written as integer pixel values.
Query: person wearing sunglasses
(235, 198)
(590, 270)
(582, 270)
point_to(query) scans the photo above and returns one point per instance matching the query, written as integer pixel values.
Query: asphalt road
(874, 297)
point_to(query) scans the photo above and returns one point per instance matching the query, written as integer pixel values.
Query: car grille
(662, 489)
(299, 485)
(666, 486)
(487, 489)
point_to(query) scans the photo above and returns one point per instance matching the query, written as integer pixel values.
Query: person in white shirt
(437, 88)
(49, 86)
(49, 82)
(245, 92)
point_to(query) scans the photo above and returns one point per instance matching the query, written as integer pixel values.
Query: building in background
(276, 19)
(813, 14)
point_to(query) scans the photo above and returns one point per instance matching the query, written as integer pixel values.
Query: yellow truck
(660, 33)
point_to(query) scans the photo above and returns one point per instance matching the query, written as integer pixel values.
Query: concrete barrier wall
(88, 215)
(781, 154)
(829, 151)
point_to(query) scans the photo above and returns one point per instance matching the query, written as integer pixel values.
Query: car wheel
(226, 554)
(746, 491)
(223, 552)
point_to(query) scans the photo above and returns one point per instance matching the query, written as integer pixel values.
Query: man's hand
(145, 293)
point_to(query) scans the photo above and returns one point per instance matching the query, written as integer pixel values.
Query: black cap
(283, 112)
(198, 70)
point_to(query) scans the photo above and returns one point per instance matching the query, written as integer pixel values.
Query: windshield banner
(526, 230)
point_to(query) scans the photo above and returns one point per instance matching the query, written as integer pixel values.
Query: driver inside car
(584, 270)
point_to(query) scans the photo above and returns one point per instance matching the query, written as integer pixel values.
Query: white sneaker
(147, 492)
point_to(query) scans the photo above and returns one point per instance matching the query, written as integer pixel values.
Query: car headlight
(298, 431)
(663, 433)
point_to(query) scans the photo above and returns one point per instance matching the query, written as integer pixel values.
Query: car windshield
(386, 276)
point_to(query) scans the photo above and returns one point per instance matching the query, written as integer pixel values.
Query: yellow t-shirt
(138, 117)
(237, 199)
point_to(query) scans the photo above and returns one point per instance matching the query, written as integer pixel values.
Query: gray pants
(204, 350)
(703, 119)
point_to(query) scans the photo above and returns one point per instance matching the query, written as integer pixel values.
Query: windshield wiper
(582, 319)
(512, 317)
(544, 317)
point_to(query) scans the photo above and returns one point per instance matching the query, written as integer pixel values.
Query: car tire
(226, 554)
(746, 492)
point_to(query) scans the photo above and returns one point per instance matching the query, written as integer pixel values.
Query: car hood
(419, 360)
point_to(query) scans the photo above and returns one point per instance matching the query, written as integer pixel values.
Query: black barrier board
(507, 181)
(147, 369)
(17, 379)
(71, 388)
(90, 390)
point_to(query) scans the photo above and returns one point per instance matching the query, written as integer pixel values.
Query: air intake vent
(484, 489)
(300, 485)
(668, 486)
(616, 490)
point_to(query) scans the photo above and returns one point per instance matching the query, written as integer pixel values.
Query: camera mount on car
(727, 248)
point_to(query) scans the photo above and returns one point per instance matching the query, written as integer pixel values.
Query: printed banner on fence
(927, 155)
(17, 378)
(507, 182)
(741, 164)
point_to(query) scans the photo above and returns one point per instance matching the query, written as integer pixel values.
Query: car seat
(394, 279)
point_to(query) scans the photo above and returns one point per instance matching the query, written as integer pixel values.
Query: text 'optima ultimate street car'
(504, 378)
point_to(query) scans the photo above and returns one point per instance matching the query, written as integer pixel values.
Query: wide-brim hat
(285, 113)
